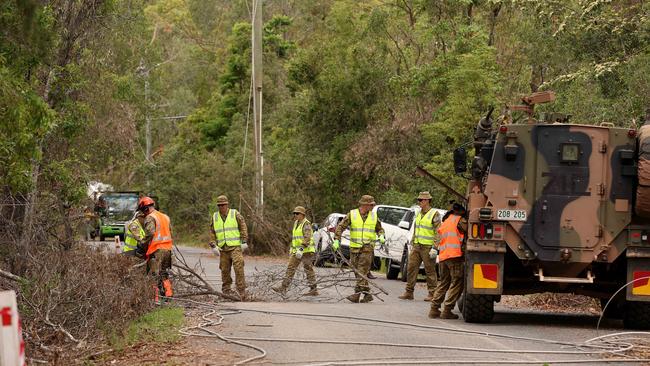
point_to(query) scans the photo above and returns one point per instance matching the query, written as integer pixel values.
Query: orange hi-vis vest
(162, 238)
(450, 239)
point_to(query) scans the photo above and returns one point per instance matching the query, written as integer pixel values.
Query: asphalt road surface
(454, 341)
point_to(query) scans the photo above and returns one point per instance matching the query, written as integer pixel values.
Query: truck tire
(637, 315)
(392, 271)
(102, 237)
(404, 265)
(478, 308)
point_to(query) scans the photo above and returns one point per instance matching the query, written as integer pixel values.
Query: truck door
(569, 185)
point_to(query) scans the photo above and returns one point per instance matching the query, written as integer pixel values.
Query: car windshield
(391, 215)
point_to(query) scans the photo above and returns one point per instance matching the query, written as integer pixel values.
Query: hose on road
(596, 346)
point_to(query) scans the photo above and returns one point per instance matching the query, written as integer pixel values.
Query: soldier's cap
(299, 209)
(367, 200)
(424, 196)
(222, 200)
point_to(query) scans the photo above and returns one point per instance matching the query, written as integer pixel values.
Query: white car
(324, 236)
(394, 253)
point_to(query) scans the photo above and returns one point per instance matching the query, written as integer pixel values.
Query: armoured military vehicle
(559, 207)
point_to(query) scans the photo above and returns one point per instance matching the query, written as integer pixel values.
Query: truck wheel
(637, 315)
(478, 308)
(392, 271)
(404, 265)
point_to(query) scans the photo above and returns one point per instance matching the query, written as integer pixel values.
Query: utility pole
(257, 106)
(143, 71)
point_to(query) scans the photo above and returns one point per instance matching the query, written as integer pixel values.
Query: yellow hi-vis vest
(298, 236)
(228, 231)
(424, 231)
(362, 232)
(130, 242)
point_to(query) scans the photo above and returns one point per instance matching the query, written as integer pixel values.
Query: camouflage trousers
(232, 258)
(450, 284)
(307, 261)
(159, 264)
(361, 260)
(420, 253)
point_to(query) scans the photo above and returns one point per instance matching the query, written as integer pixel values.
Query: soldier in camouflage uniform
(365, 229)
(229, 229)
(424, 237)
(133, 235)
(452, 232)
(302, 251)
(157, 245)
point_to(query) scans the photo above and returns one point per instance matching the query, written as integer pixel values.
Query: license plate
(511, 215)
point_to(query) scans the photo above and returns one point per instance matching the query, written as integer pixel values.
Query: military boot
(367, 298)
(434, 313)
(447, 314)
(406, 296)
(354, 297)
(242, 295)
(429, 297)
(312, 292)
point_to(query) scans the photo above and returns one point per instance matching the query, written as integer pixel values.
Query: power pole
(257, 106)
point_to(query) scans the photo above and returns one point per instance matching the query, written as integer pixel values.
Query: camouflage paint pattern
(577, 212)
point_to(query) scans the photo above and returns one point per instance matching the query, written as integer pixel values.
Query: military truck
(555, 206)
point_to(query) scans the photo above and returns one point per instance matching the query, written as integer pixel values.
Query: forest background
(356, 93)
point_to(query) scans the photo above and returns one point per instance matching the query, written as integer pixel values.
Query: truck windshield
(120, 206)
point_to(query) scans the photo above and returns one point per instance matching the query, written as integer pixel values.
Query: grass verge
(160, 325)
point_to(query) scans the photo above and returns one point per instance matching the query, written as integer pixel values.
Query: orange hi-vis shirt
(450, 239)
(162, 238)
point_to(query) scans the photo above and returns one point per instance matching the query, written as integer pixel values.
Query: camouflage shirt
(306, 232)
(345, 223)
(134, 229)
(243, 229)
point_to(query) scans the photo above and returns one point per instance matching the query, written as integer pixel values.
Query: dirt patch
(188, 351)
(558, 303)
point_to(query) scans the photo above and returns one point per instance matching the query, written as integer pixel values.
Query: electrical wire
(598, 349)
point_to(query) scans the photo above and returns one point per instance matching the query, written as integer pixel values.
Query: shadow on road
(531, 317)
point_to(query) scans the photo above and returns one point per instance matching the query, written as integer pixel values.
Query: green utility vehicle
(114, 210)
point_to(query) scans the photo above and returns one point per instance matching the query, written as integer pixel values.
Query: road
(451, 337)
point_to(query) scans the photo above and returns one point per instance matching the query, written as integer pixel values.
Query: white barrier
(12, 346)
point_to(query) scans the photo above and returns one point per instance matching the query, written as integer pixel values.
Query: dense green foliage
(356, 93)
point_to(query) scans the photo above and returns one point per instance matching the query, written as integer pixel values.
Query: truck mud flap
(638, 275)
(484, 273)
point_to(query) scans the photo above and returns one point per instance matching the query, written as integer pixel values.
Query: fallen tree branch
(11, 276)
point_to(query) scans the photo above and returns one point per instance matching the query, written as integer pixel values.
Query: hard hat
(145, 202)
(367, 200)
(424, 196)
(222, 200)
(299, 209)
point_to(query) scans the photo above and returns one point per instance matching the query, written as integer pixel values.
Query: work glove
(215, 248)
(244, 246)
(335, 245)
(382, 239)
(433, 253)
(299, 253)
